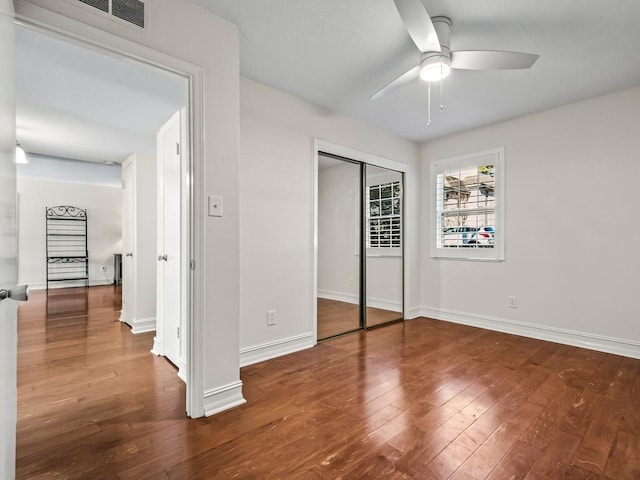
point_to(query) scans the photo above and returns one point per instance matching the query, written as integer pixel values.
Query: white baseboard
(182, 373)
(143, 325)
(415, 312)
(339, 297)
(223, 398)
(157, 347)
(277, 348)
(354, 299)
(617, 346)
(54, 285)
(384, 304)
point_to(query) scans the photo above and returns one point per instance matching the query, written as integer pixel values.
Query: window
(467, 213)
(384, 218)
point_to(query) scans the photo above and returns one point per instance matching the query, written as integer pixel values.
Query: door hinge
(193, 264)
(177, 149)
(178, 332)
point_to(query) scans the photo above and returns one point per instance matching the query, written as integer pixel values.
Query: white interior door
(8, 242)
(128, 242)
(169, 296)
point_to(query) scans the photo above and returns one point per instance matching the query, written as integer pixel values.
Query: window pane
(466, 207)
(387, 207)
(374, 209)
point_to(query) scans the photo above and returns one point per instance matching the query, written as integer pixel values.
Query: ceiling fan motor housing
(434, 66)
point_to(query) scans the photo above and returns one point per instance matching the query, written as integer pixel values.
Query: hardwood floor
(416, 400)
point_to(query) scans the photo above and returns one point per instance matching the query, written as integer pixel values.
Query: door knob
(19, 293)
(130, 254)
(162, 257)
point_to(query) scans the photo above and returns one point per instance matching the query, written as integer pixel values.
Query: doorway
(146, 112)
(360, 260)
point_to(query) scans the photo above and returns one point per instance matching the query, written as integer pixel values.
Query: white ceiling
(337, 53)
(76, 103)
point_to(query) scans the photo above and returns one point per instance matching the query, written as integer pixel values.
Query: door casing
(8, 240)
(70, 30)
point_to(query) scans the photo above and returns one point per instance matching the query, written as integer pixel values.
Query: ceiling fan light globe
(435, 67)
(434, 72)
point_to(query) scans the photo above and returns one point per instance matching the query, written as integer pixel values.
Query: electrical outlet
(513, 302)
(271, 317)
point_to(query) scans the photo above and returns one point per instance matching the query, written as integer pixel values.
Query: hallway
(90, 395)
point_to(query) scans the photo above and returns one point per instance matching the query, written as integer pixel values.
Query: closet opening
(359, 232)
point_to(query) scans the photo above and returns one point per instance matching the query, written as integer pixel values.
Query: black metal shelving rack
(67, 252)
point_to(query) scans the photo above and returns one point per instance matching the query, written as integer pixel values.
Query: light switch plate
(215, 205)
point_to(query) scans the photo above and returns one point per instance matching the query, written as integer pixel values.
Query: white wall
(571, 228)
(186, 32)
(146, 237)
(276, 192)
(104, 226)
(139, 227)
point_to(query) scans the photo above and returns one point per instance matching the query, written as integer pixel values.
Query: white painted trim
(415, 312)
(352, 154)
(77, 32)
(314, 242)
(55, 285)
(601, 343)
(182, 371)
(156, 349)
(383, 304)
(339, 296)
(143, 325)
(277, 348)
(355, 300)
(223, 398)
(437, 167)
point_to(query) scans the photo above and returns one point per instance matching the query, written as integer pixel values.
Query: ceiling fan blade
(491, 60)
(418, 23)
(401, 81)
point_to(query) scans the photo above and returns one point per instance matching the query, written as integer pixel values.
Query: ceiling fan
(431, 35)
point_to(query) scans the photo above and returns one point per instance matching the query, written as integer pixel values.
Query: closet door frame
(322, 146)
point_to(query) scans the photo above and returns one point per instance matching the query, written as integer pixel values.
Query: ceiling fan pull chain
(441, 86)
(428, 103)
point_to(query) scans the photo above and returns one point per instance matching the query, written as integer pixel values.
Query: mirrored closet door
(384, 245)
(360, 246)
(339, 238)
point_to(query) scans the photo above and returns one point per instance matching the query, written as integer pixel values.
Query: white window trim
(495, 157)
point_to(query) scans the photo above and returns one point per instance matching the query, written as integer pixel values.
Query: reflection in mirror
(338, 246)
(384, 274)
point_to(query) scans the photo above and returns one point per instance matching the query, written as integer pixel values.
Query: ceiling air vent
(99, 4)
(130, 11)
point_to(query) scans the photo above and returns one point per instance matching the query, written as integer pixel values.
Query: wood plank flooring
(416, 400)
